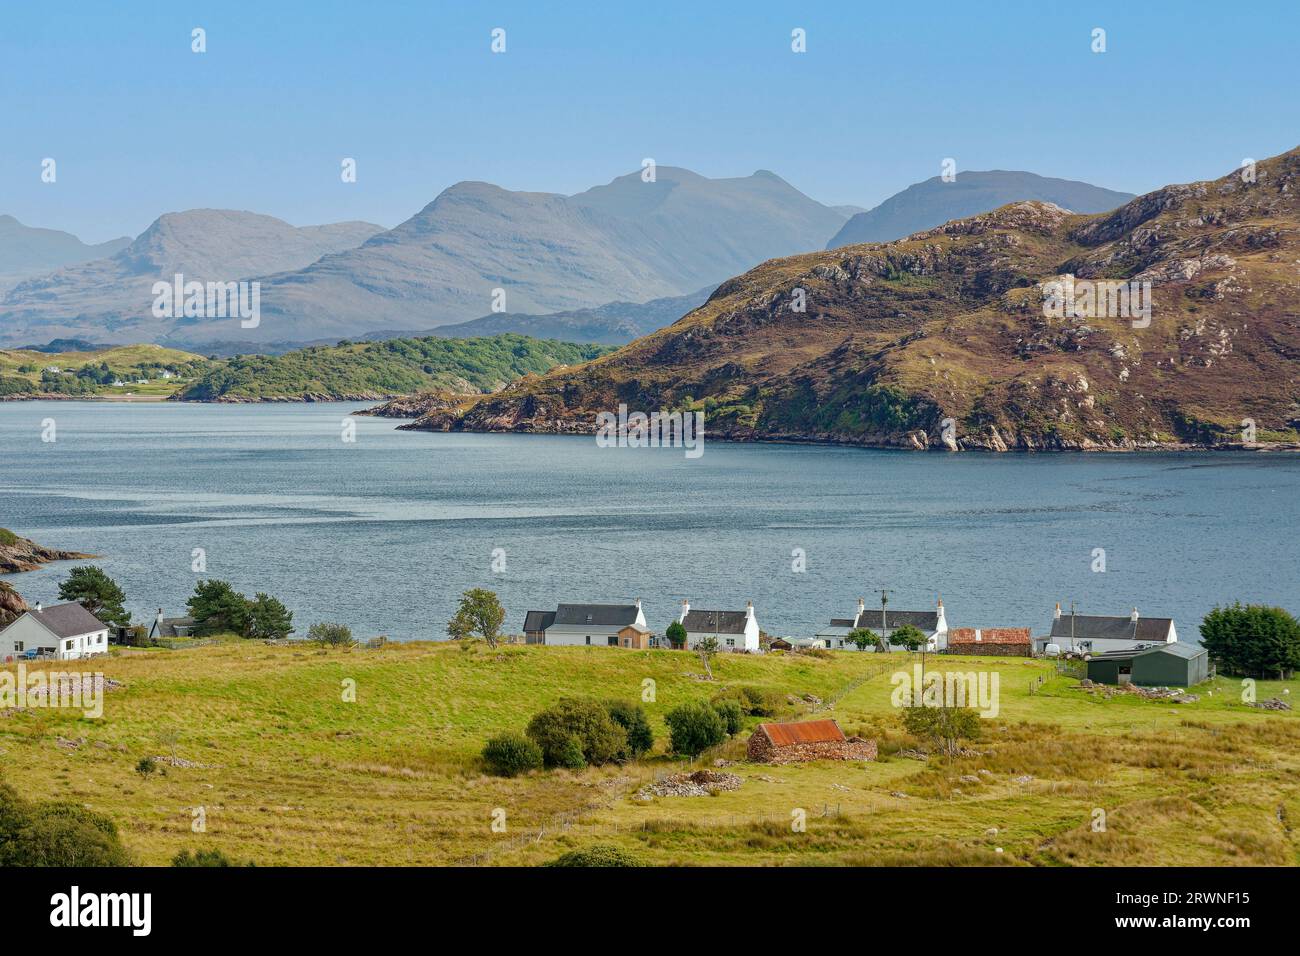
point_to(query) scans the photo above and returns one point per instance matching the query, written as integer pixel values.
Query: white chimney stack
(38, 607)
(1134, 616)
(686, 607)
(749, 609)
(1057, 615)
(941, 620)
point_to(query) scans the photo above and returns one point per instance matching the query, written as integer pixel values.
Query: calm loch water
(384, 532)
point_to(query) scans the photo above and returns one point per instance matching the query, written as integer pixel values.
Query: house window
(588, 638)
(613, 641)
(19, 647)
(68, 646)
(731, 642)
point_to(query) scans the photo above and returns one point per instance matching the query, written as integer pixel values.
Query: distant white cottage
(603, 625)
(883, 622)
(734, 630)
(65, 632)
(1096, 634)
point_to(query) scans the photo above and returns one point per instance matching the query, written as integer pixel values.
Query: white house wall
(26, 633)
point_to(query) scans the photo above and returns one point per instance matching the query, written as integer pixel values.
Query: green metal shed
(1162, 665)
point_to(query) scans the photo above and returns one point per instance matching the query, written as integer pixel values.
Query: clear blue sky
(139, 125)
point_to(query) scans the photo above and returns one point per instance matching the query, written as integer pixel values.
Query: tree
(512, 753)
(909, 636)
(217, 607)
(56, 834)
(577, 728)
(632, 718)
(268, 619)
(480, 613)
(731, 714)
(598, 854)
(706, 647)
(97, 593)
(676, 634)
(944, 726)
(1252, 641)
(327, 634)
(863, 638)
(694, 727)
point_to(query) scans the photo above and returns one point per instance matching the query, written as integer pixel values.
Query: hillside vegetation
(943, 338)
(25, 373)
(287, 771)
(368, 370)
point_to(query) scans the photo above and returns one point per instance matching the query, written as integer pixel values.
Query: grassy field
(288, 772)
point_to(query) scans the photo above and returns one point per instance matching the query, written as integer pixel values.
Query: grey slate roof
(68, 620)
(538, 621)
(715, 622)
(597, 615)
(1089, 627)
(927, 621)
(1177, 648)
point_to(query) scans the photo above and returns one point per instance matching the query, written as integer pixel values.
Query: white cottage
(1095, 634)
(603, 625)
(734, 630)
(65, 631)
(883, 622)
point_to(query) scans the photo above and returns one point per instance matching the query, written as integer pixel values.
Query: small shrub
(598, 854)
(511, 753)
(570, 755)
(204, 858)
(732, 717)
(761, 703)
(632, 718)
(599, 739)
(146, 767)
(694, 727)
(330, 635)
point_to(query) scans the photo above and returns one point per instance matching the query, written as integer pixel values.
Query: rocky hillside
(28, 250)
(12, 605)
(22, 554)
(933, 202)
(950, 323)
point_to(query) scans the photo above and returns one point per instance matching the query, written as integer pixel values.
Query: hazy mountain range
(28, 251)
(934, 202)
(604, 265)
(948, 337)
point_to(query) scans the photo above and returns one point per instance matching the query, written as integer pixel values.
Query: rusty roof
(803, 732)
(989, 635)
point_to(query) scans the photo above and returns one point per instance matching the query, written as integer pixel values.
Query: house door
(1125, 675)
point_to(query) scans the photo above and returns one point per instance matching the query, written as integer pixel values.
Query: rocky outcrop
(21, 554)
(420, 405)
(12, 605)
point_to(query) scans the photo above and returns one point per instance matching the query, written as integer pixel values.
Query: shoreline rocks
(22, 554)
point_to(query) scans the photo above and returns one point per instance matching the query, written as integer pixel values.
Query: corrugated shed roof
(538, 621)
(68, 620)
(990, 635)
(803, 732)
(1177, 649)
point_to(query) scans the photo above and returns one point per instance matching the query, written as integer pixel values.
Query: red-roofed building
(991, 641)
(807, 740)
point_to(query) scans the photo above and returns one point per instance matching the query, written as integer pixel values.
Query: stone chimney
(686, 607)
(1057, 615)
(1134, 616)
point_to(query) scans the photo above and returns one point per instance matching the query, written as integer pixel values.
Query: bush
(512, 753)
(56, 834)
(582, 724)
(944, 726)
(598, 854)
(731, 715)
(632, 718)
(761, 703)
(694, 727)
(203, 858)
(330, 635)
(146, 766)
